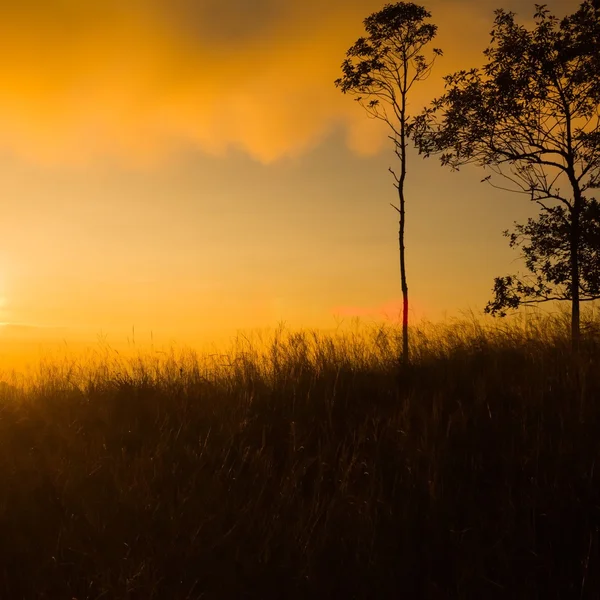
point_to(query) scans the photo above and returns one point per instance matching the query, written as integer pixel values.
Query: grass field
(309, 467)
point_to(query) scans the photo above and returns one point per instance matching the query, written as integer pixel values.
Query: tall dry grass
(309, 466)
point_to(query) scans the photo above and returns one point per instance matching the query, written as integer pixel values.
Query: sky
(186, 169)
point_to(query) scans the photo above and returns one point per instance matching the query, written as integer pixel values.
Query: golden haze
(187, 167)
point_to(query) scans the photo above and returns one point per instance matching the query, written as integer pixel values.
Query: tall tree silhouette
(380, 70)
(532, 116)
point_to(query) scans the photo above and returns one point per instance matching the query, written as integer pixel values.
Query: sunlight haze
(187, 169)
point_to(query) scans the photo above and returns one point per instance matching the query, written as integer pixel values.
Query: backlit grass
(309, 466)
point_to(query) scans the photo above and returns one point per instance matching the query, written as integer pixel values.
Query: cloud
(233, 22)
(136, 79)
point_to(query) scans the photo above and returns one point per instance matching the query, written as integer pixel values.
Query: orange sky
(188, 167)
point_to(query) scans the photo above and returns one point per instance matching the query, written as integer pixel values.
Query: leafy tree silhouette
(532, 116)
(546, 251)
(380, 70)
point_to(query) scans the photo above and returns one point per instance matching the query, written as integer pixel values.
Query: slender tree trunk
(575, 275)
(405, 351)
(405, 355)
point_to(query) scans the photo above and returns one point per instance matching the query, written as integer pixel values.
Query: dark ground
(312, 471)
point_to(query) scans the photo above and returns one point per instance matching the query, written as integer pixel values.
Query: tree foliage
(531, 110)
(546, 253)
(384, 65)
